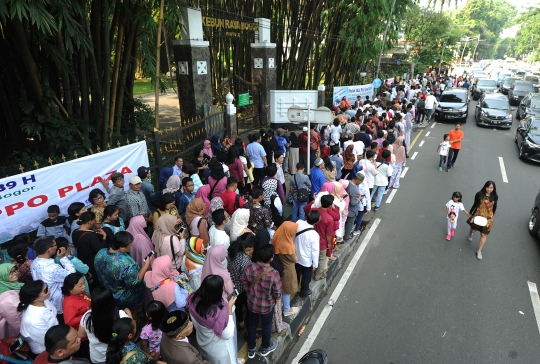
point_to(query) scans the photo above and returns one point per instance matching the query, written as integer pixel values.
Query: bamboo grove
(68, 66)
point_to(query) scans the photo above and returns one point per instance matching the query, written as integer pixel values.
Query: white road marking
(392, 194)
(414, 155)
(427, 134)
(319, 324)
(432, 126)
(421, 143)
(404, 172)
(533, 290)
(503, 170)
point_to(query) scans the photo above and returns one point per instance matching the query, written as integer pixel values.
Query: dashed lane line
(404, 172)
(427, 134)
(503, 170)
(533, 290)
(391, 197)
(421, 143)
(414, 155)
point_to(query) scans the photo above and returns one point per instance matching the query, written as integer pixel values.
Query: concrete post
(232, 126)
(263, 55)
(320, 95)
(193, 74)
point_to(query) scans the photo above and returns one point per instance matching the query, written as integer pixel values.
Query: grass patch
(142, 86)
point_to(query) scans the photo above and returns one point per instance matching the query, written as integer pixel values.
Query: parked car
(528, 138)
(453, 104)
(506, 84)
(535, 80)
(518, 91)
(482, 86)
(530, 105)
(534, 221)
(493, 110)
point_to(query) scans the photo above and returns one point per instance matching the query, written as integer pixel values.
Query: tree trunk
(158, 47)
(115, 76)
(106, 61)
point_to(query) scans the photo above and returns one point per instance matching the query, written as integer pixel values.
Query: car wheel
(521, 152)
(533, 223)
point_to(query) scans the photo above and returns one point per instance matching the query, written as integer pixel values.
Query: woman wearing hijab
(10, 318)
(207, 149)
(167, 285)
(217, 181)
(349, 158)
(196, 220)
(399, 152)
(213, 264)
(164, 177)
(283, 242)
(167, 243)
(335, 189)
(142, 245)
(239, 221)
(203, 193)
(217, 146)
(213, 320)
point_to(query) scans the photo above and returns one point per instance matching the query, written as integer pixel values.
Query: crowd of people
(208, 254)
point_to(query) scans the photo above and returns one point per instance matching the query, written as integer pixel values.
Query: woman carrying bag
(482, 214)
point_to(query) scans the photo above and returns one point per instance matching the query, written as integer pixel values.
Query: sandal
(332, 258)
(323, 276)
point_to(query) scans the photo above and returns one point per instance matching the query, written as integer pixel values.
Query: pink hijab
(203, 193)
(207, 149)
(142, 245)
(161, 271)
(213, 264)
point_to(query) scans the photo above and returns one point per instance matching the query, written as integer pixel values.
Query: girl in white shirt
(453, 207)
(442, 149)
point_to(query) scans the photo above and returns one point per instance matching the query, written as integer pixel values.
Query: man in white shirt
(217, 233)
(306, 242)
(52, 274)
(178, 164)
(431, 101)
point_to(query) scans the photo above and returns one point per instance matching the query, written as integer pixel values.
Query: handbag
(480, 221)
(302, 194)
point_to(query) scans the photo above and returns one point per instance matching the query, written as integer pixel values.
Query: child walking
(453, 207)
(443, 149)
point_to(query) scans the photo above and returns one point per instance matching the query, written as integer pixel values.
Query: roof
(495, 96)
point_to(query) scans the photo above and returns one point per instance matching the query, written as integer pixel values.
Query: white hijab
(239, 221)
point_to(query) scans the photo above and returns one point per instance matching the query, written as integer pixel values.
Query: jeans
(322, 264)
(379, 191)
(305, 273)
(452, 156)
(253, 320)
(349, 226)
(359, 219)
(429, 113)
(298, 211)
(442, 160)
(312, 157)
(286, 298)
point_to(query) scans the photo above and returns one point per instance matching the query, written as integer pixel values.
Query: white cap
(135, 180)
(304, 128)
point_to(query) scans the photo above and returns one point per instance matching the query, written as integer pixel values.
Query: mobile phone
(233, 294)
(181, 230)
(149, 255)
(16, 344)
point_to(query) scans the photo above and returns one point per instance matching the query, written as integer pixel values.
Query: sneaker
(469, 237)
(293, 311)
(269, 349)
(356, 233)
(451, 232)
(440, 169)
(251, 353)
(448, 237)
(376, 209)
(479, 255)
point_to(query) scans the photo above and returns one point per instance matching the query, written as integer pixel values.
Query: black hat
(174, 323)
(142, 172)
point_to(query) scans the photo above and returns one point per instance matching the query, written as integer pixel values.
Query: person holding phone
(45, 268)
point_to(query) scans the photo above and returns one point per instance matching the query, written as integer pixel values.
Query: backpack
(421, 104)
(317, 356)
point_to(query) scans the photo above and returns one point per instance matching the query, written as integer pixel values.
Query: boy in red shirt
(231, 200)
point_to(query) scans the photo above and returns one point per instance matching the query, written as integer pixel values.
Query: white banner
(24, 198)
(351, 92)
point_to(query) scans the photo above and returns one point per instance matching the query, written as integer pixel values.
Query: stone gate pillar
(193, 76)
(263, 56)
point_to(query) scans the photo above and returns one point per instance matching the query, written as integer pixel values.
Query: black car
(534, 221)
(453, 104)
(481, 86)
(530, 105)
(493, 110)
(528, 138)
(507, 83)
(519, 90)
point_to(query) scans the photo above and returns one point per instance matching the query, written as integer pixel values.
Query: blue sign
(377, 83)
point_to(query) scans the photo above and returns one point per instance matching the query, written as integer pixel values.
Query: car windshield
(509, 80)
(498, 104)
(535, 128)
(486, 83)
(447, 97)
(523, 87)
(535, 103)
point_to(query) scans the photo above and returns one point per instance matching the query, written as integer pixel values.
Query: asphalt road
(414, 297)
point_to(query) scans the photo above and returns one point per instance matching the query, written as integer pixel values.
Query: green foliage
(528, 36)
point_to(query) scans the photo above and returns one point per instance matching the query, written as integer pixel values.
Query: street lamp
(465, 46)
(363, 75)
(446, 40)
